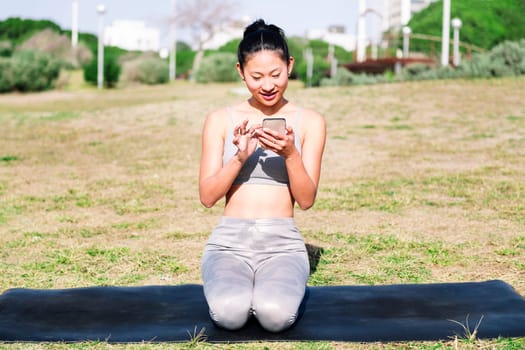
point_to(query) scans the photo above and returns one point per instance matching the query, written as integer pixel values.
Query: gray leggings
(257, 267)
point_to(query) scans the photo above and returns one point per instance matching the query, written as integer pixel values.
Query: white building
(225, 34)
(222, 37)
(397, 13)
(335, 37)
(132, 36)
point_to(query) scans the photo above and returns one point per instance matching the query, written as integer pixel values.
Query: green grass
(8, 158)
(59, 116)
(93, 265)
(421, 183)
(473, 190)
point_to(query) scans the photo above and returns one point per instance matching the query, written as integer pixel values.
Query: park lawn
(422, 182)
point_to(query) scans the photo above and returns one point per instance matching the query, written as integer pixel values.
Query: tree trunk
(196, 63)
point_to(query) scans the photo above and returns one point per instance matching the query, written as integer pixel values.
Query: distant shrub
(112, 70)
(414, 71)
(509, 56)
(154, 71)
(345, 77)
(218, 67)
(477, 67)
(320, 67)
(184, 62)
(419, 71)
(33, 71)
(6, 49)
(6, 75)
(145, 69)
(18, 30)
(505, 59)
(57, 45)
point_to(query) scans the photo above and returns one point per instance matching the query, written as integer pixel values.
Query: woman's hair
(260, 36)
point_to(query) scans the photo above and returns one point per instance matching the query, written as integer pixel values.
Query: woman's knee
(230, 312)
(274, 317)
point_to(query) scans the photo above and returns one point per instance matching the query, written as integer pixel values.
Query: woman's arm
(215, 179)
(304, 169)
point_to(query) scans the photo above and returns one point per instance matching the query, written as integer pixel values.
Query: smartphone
(276, 124)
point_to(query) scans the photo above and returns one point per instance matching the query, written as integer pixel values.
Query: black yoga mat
(337, 313)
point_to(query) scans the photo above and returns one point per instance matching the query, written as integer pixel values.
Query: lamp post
(456, 24)
(74, 23)
(361, 32)
(101, 9)
(445, 35)
(406, 40)
(309, 66)
(173, 51)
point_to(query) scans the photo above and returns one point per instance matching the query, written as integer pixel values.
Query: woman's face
(266, 76)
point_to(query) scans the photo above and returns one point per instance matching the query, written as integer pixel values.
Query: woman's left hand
(282, 144)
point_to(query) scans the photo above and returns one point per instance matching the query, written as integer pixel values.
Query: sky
(294, 16)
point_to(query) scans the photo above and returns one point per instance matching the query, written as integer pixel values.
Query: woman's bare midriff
(259, 201)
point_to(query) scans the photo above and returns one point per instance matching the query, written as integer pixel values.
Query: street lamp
(74, 23)
(445, 35)
(309, 66)
(456, 24)
(361, 32)
(406, 40)
(101, 9)
(173, 51)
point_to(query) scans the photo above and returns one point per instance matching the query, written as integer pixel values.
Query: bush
(485, 23)
(345, 77)
(414, 71)
(185, 62)
(476, 67)
(146, 69)
(505, 59)
(34, 71)
(320, 67)
(6, 49)
(509, 57)
(57, 45)
(6, 75)
(17, 30)
(112, 70)
(218, 67)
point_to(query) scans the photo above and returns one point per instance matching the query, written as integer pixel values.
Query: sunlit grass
(421, 183)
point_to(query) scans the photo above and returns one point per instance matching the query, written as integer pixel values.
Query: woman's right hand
(246, 140)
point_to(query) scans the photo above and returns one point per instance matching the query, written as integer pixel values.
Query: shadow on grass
(314, 255)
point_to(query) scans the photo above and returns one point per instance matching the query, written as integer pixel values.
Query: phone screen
(277, 124)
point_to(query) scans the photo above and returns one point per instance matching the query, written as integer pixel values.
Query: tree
(204, 19)
(485, 23)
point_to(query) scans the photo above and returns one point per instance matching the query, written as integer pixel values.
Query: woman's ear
(239, 70)
(290, 65)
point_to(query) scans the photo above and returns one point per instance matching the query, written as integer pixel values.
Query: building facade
(397, 13)
(132, 35)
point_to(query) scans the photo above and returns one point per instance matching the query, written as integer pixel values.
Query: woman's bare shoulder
(313, 117)
(217, 117)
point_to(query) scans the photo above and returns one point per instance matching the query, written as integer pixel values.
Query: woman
(255, 261)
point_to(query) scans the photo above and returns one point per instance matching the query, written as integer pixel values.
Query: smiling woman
(255, 262)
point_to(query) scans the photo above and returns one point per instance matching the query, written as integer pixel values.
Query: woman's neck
(267, 110)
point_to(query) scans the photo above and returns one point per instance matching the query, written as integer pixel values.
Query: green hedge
(28, 71)
(112, 70)
(218, 67)
(145, 69)
(506, 59)
(6, 75)
(486, 23)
